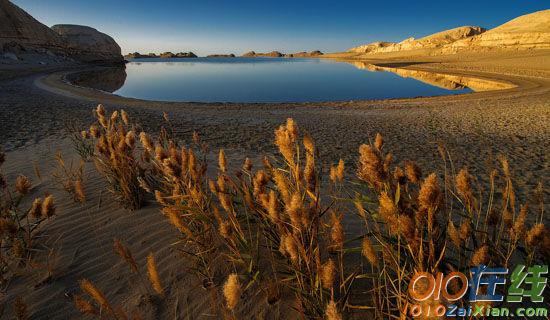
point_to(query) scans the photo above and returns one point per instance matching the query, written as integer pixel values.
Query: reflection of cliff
(104, 79)
(445, 81)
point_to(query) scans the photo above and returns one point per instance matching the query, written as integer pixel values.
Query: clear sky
(209, 26)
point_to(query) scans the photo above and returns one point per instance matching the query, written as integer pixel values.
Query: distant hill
(436, 40)
(530, 31)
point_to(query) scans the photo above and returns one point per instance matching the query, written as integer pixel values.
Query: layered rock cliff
(87, 44)
(24, 38)
(530, 31)
(436, 40)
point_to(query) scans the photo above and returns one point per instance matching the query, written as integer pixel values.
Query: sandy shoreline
(475, 128)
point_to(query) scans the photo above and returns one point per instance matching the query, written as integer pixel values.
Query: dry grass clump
(100, 306)
(18, 225)
(277, 230)
(81, 141)
(70, 178)
(116, 157)
(422, 224)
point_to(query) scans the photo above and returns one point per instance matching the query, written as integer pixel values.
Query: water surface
(267, 80)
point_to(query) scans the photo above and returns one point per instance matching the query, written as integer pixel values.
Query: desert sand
(474, 127)
(508, 114)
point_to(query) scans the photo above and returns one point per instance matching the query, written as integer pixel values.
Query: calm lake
(273, 80)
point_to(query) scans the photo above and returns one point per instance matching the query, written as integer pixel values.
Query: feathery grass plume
(261, 178)
(360, 208)
(536, 235)
(328, 271)
(337, 232)
(273, 208)
(282, 186)
(20, 309)
(100, 111)
(295, 210)
(309, 172)
(114, 116)
(94, 131)
(309, 145)
(79, 194)
(337, 172)
(124, 117)
(22, 184)
(480, 256)
(332, 311)
(130, 139)
(222, 162)
(84, 306)
(454, 234)
(340, 170)
(225, 229)
(371, 169)
(292, 128)
(175, 220)
(465, 230)
(428, 197)
(412, 171)
(285, 142)
(378, 142)
(289, 247)
(387, 209)
(48, 207)
(399, 176)
(406, 227)
(518, 229)
(96, 294)
(146, 141)
(232, 291)
(36, 208)
(463, 185)
(505, 165)
(125, 254)
(153, 274)
(369, 252)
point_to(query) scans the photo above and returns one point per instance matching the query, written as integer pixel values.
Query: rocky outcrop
(137, 55)
(531, 31)
(277, 54)
(18, 27)
(436, 40)
(304, 54)
(89, 45)
(221, 56)
(186, 55)
(249, 54)
(23, 36)
(272, 54)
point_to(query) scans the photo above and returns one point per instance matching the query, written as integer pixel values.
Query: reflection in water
(271, 80)
(445, 81)
(108, 79)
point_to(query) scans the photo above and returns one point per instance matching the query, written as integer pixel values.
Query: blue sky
(208, 26)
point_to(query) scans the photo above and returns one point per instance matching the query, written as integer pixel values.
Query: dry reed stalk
(153, 274)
